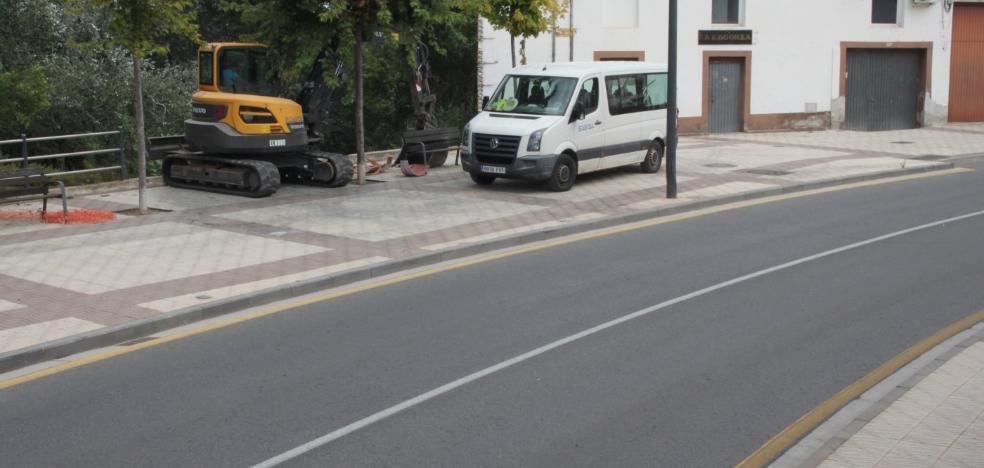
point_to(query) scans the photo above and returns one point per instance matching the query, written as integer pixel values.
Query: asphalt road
(703, 382)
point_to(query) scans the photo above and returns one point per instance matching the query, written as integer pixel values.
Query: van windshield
(537, 95)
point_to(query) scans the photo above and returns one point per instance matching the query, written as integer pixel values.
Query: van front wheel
(654, 158)
(481, 179)
(564, 173)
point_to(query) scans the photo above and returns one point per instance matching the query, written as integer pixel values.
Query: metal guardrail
(25, 157)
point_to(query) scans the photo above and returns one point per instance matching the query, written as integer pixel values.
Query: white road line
(423, 397)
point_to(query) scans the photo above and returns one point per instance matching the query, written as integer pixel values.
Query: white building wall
(796, 50)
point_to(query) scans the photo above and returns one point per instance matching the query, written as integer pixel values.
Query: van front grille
(504, 152)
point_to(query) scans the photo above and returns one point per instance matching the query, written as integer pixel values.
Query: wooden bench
(31, 184)
(428, 147)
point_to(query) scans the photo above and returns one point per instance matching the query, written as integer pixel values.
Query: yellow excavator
(242, 138)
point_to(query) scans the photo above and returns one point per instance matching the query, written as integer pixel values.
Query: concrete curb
(128, 331)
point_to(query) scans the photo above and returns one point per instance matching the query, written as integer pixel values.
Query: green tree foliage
(142, 28)
(23, 96)
(523, 19)
(29, 29)
(415, 21)
(86, 87)
(297, 31)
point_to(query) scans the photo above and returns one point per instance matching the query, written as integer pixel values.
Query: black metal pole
(671, 105)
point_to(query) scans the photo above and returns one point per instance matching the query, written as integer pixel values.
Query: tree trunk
(512, 48)
(360, 132)
(141, 145)
(522, 51)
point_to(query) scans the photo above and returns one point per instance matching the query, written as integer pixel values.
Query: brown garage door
(967, 64)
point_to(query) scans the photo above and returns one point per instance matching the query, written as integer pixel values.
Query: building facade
(763, 65)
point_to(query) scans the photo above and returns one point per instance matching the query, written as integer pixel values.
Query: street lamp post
(671, 105)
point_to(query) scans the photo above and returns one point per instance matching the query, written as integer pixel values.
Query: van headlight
(466, 137)
(535, 139)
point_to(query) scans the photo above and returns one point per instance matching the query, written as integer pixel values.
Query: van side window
(625, 94)
(654, 94)
(588, 96)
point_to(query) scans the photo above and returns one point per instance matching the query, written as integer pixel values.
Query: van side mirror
(485, 102)
(578, 112)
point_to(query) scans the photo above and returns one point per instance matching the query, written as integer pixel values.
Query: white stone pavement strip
(715, 191)
(7, 305)
(17, 227)
(29, 335)
(926, 141)
(167, 198)
(938, 422)
(104, 261)
(743, 156)
(382, 215)
(513, 231)
(211, 295)
(853, 167)
(588, 187)
(602, 185)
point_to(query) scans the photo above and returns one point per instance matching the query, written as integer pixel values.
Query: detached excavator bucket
(159, 147)
(413, 170)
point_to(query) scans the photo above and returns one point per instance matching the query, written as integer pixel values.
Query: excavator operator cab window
(205, 71)
(244, 70)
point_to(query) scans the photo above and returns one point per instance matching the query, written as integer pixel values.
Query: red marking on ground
(75, 216)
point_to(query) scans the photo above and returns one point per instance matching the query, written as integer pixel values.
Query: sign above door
(724, 37)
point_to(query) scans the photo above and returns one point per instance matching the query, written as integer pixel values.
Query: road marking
(445, 267)
(423, 397)
(809, 421)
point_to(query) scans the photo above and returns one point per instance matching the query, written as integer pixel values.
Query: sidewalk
(929, 414)
(199, 249)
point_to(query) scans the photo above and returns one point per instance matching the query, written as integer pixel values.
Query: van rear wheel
(564, 174)
(654, 158)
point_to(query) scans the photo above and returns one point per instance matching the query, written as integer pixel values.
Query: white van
(552, 122)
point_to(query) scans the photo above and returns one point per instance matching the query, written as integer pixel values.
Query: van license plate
(493, 170)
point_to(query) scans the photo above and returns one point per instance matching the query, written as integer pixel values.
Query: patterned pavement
(933, 418)
(56, 281)
(938, 422)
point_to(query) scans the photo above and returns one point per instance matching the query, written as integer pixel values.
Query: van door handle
(598, 122)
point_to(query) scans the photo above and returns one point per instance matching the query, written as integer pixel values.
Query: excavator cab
(236, 109)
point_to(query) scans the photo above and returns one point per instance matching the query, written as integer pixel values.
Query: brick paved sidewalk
(932, 419)
(57, 281)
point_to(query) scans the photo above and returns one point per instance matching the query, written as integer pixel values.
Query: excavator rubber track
(244, 177)
(321, 168)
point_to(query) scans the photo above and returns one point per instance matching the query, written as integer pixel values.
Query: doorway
(967, 64)
(726, 100)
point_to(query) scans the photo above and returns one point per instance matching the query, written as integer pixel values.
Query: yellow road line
(809, 421)
(441, 268)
